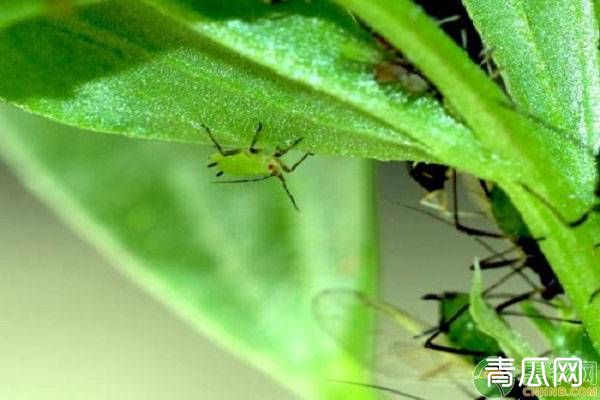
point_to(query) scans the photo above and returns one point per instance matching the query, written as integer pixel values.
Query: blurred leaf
(236, 261)
(399, 357)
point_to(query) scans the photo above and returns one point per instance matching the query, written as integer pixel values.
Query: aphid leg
(515, 270)
(255, 138)
(485, 293)
(515, 300)
(300, 161)
(496, 264)
(284, 184)
(594, 295)
(449, 19)
(541, 316)
(572, 224)
(463, 228)
(212, 138)
(489, 263)
(511, 262)
(262, 178)
(463, 39)
(484, 186)
(281, 152)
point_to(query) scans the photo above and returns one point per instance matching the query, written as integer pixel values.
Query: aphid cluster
(456, 325)
(528, 254)
(390, 67)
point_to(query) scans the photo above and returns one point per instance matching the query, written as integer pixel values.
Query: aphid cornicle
(253, 162)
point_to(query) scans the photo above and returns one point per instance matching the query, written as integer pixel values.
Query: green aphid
(459, 329)
(463, 332)
(253, 162)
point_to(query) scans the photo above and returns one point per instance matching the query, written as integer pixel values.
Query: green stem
(470, 91)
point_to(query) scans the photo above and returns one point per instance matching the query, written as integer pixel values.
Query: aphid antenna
(571, 224)
(593, 296)
(379, 387)
(540, 121)
(297, 163)
(212, 139)
(481, 242)
(516, 299)
(262, 178)
(259, 127)
(540, 316)
(449, 19)
(486, 60)
(464, 39)
(463, 228)
(281, 152)
(285, 187)
(488, 261)
(533, 300)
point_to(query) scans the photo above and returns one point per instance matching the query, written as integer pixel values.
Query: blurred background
(72, 327)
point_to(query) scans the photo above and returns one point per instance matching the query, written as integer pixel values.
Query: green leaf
(236, 261)
(130, 68)
(123, 67)
(548, 62)
(489, 322)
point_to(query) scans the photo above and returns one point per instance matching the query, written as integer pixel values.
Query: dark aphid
(395, 72)
(431, 177)
(254, 162)
(390, 66)
(513, 228)
(511, 223)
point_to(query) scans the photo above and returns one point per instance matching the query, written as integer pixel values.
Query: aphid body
(247, 163)
(253, 163)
